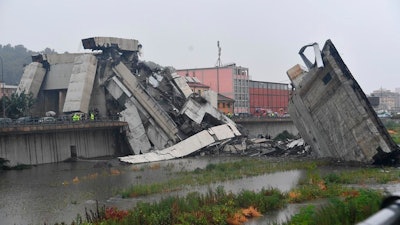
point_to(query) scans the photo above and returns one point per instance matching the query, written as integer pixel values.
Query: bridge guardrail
(59, 121)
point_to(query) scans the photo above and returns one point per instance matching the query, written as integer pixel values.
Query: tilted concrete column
(81, 84)
(32, 79)
(136, 135)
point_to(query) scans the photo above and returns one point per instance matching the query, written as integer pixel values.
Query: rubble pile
(174, 121)
(165, 118)
(256, 147)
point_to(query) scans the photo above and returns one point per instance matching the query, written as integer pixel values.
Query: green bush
(348, 211)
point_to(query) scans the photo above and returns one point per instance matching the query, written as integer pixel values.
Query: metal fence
(33, 121)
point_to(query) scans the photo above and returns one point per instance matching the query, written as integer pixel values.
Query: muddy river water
(53, 193)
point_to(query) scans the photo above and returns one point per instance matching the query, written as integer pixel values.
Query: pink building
(255, 97)
(231, 81)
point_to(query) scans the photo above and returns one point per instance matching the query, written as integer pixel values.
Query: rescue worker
(91, 116)
(75, 117)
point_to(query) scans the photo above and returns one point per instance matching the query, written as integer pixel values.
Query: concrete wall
(32, 79)
(333, 114)
(81, 84)
(272, 128)
(39, 148)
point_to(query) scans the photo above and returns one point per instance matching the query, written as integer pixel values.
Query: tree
(18, 105)
(15, 58)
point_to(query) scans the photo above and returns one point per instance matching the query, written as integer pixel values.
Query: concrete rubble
(165, 118)
(332, 113)
(265, 147)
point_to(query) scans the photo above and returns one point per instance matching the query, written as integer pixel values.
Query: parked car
(47, 119)
(24, 120)
(5, 121)
(384, 115)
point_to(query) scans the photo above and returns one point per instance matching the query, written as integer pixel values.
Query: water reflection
(58, 192)
(277, 216)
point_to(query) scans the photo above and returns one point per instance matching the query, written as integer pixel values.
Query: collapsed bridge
(162, 112)
(332, 113)
(167, 120)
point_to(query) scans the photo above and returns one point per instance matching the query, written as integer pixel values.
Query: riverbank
(55, 193)
(324, 179)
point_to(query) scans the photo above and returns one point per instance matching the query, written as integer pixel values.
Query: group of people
(81, 116)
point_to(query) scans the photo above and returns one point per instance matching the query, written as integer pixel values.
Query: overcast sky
(262, 35)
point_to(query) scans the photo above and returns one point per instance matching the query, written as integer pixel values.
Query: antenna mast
(218, 64)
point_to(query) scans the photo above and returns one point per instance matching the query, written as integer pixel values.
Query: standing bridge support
(48, 143)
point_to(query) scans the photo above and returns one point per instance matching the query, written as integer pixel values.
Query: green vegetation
(215, 207)
(362, 176)
(217, 173)
(394, 130)
(18, 105)
(219, 207)
(347, 210)
(224, 208)
(346, 205)
(4, 166)
(14, 59)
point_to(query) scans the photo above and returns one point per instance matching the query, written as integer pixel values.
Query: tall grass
(214, 207)
(394, 130)
(340, 211)
(346, 204)
(217, 173)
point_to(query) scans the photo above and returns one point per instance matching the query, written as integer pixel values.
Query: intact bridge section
(33, 144)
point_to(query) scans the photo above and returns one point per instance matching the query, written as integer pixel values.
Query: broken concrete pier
(332, 113)
(165, 118)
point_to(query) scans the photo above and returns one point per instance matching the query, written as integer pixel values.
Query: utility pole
(2, 89)
(218, 65)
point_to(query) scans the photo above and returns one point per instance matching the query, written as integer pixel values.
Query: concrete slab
(99, 43)
(81, 84)
(147, 102)
(32, 79)
(333, 115)
(185, 147)
(136, 134)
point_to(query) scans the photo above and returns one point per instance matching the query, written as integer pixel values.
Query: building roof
(267, 82)
(7, 86)
(197, 85)
(193, 82)
(224, 98)
(191, 79)
(231, 65)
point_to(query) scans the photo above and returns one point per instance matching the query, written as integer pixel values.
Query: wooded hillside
(15, 58)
